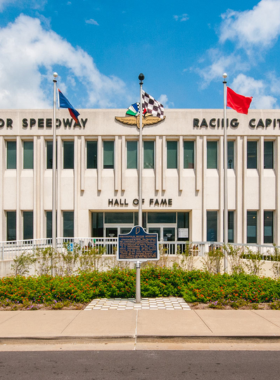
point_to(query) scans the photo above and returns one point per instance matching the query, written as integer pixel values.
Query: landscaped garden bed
(199, 289)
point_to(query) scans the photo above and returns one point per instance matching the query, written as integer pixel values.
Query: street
(140, 365)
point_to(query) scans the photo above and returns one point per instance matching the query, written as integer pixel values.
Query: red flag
(238, 102)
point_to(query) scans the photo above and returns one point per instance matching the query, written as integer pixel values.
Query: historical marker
(138, 245)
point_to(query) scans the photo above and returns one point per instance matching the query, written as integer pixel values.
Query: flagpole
(140, 218)
(225, 177)
(55, 75)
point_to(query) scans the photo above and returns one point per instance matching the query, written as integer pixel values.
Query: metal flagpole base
(138, 284)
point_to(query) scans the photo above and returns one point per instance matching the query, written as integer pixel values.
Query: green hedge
(194, 286)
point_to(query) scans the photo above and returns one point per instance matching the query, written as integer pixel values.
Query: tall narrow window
(49, 225)
(11, 225)
(268, 155)
(252, 151)
(27, 225)
(149, 154)
(230, 154)
(97, 224)
(11, 155)
(172, 154)
(183, 226)
(28, 155)
(252, 227)
(68, 224)
(49, 146)
(231, 226)
(188, 154)
(68, 154)
(91, 154)
(212, 225)
(268, 227)
(131, 154)
(212, 155)
(108, 157)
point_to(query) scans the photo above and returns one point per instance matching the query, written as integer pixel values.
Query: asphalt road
(140, 365)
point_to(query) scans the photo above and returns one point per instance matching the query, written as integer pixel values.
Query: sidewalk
(128, 325)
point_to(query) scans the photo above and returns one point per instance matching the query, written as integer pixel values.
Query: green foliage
(194, 286)
(21, 264)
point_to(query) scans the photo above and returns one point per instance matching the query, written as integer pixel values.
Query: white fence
(10, 249)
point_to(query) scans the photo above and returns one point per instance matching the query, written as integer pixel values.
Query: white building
(182, 177)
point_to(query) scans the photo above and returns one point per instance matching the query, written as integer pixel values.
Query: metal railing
(108, 246)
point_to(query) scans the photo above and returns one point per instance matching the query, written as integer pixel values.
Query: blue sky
(99, 47)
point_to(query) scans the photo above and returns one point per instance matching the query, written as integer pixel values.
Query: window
(97, 224)
(49, 225)
(231, 226)
(252, 150)
(188, 154)
(27, 225)
(68, 224)
(108, 158)
(131, 154)
(212, 155)
(49, 146)
(251, 226)
(212, 225)
(149, 154)
(268, 154)
(91, 154)
(162, 217)
(183, 222)
(11, 225)
(11, 155)
(28, 155)
(268, 227)
(172, 154)
(68, 154)
(119, 217)
(230, 154)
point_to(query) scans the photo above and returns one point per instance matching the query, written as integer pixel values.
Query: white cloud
(92, 22)
(249, 86)
(163, 99)
(258, 27)
(34, 4)
(220, 64)
(183, 17)
(28, 56)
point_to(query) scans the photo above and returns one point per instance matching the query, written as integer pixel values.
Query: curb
(140, 339)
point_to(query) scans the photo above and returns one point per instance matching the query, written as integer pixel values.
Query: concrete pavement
(141, 325)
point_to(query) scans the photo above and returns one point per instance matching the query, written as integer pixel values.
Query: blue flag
(64, 103)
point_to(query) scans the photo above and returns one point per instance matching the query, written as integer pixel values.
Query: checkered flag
(152, 106)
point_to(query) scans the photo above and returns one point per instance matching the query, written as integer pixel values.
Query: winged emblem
(147, 119)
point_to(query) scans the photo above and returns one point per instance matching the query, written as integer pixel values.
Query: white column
(19, 168)
(99, 163)
(244, 190)
(204, 168)
(59, 168)
(116, 163)
(158, 163)
(77, 176)
(221, 190)
(181, 162)
(2, 211)
(261, 193)
(41, 185)
(123, 162)
(239, 187)
(164, 162)
(198, 163)
(83, 162)
(277, 171)
(35, 166)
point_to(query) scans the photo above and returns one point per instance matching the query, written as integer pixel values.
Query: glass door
(112, 232)
(169, 234)
(155, 230)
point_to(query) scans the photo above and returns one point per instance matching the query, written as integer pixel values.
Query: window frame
(63, 154)
(154, 156)
(23, 154)
(137, 156)
(103, 143)
(194, 147)
(257, 148)
(7, 142)
(87, 161)
(217, 153)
